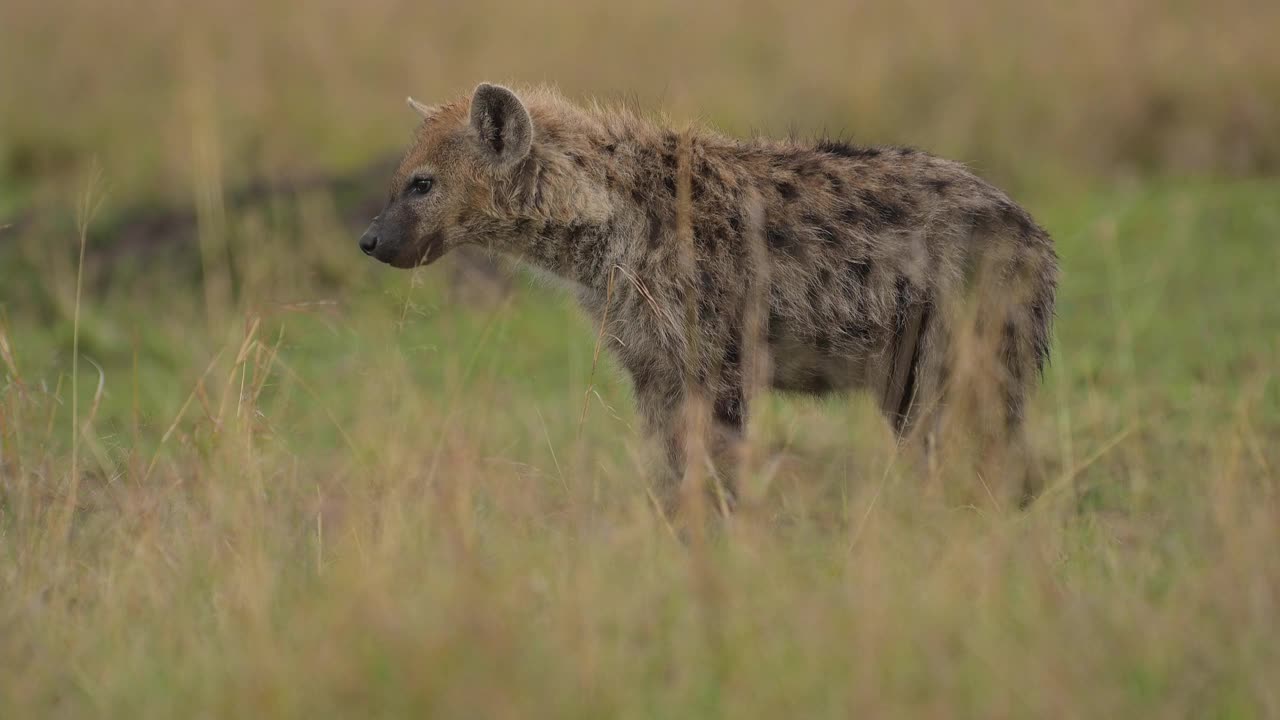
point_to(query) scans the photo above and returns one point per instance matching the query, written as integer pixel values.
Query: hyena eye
(420, 186)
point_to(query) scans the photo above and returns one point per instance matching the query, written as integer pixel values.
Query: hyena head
(445, 188)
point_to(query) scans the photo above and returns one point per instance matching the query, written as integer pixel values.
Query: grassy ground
(372, 497)
(256, 474)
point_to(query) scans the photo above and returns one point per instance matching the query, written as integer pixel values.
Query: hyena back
(870, 257)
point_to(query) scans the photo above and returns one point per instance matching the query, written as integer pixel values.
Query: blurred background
(161, 92)
(244, 467)
(186, 113)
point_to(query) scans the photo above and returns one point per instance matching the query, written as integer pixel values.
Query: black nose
(368, 242)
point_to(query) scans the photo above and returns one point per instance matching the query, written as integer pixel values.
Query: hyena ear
(502, 122)
(425, 111)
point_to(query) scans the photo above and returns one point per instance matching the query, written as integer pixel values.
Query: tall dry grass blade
(551, 448)
(207, 187)
(89, 203)
(10, 426)
(100, 454)
(178, 417)
(263, 366)
(54, 403)
(237, 366)
(135, 407)
(595, 353)
(693, 418)
(756, 361)
(6, 354)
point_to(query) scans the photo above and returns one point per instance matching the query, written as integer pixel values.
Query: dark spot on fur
(670, 184)
(787, 190)
(859, 271)
(611, 148)
(728, 408)
(732, 352)
(643, 377)
(571, 241)
(1010, 350)
(821, 230)
(699, 187)
(655, 229)
(735, 224)
(707, 310)
(843, 149)
(1017, 217)
(701, 375)
(822, 342)
(1041, 315)
(708, 233)
(669, 160)
(777, 327)
(707, 281)
(574, 232)
(940, 185)
(779, 238)
(885, 210)
(853, 214)
(730, 403)
(857, 329)
(1011, 356)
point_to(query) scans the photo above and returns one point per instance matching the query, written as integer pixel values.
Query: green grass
(382, 503)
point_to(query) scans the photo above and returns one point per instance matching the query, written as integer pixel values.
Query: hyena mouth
(431, 251)
(435, 248)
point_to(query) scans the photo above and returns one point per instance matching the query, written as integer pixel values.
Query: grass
(254, 474)
(379, 503)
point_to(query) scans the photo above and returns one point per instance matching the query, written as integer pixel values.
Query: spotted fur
(869, 251)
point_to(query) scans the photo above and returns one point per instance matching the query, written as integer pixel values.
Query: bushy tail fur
(965, 366)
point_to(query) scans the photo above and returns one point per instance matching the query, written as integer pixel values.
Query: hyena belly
(889, 363)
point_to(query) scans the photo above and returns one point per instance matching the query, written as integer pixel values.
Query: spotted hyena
(856, 260)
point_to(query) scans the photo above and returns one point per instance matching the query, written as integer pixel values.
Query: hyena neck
(567, 216)
(575, 250)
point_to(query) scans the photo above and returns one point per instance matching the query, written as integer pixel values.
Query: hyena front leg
(673, 423)
(728, 433)
(660, 405)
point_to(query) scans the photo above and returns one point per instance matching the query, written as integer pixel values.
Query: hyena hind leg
(959, 416)
(913, 400)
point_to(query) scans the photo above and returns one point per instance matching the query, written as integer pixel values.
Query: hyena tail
(1011, 333)
(976, 357)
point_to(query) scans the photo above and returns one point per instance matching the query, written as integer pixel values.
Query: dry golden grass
(277, 481)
